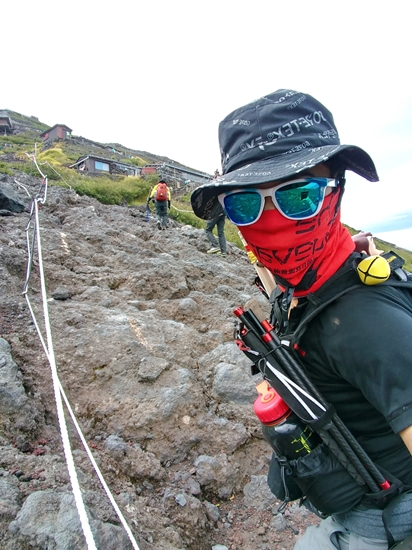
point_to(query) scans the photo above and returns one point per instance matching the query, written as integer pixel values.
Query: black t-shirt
(358, 352)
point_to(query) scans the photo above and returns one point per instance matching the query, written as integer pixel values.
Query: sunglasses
(296, 200)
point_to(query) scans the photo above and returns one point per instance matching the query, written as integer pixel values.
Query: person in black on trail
(283, 177)
(217, 220)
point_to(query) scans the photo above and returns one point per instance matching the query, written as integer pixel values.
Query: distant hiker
(161, 196)
(283, 177)
(218, 219)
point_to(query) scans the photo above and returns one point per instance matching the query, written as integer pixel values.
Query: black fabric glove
(168, 202)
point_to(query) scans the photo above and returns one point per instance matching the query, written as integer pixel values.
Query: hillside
(142, 326)
(27, 130)
(142, 330)
(56, 157)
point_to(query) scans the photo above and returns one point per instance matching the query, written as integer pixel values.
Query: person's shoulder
(365, 305)
(382, 293)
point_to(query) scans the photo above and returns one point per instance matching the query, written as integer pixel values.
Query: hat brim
(275, 168)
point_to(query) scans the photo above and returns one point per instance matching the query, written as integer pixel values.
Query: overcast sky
(160, 75)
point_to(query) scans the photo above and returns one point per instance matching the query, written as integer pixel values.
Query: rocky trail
(142, 324)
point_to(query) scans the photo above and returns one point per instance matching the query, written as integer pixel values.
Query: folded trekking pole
(287, 376)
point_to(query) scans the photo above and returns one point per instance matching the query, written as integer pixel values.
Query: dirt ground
(245, 528)
(142, 326)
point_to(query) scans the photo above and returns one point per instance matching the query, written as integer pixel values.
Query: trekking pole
(335, 427)
(319, 414)
(296, 401)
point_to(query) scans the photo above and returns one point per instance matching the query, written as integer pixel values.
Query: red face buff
(301, 254)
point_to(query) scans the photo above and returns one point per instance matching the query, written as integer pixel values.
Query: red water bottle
(281, 427)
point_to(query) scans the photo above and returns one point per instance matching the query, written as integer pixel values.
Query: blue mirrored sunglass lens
(242, 208)
(297, 201)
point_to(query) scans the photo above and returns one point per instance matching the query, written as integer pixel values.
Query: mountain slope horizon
(27, 131)
(32, 126)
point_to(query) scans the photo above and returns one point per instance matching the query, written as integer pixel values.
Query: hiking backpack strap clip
(281, 301)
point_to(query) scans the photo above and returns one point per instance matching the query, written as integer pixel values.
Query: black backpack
(320, 479)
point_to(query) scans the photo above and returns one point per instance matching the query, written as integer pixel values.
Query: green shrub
(5, 169)
(48, 171)
(113, 190)
(137, 161)
(185, 198)
(20, 139)
(54, 156)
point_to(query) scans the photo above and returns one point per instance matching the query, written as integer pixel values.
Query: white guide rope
(187, 211)
(59, 403)
(58, 390)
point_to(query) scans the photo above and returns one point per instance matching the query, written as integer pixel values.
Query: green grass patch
(20, 139)
(54, 155)
(183, 213)
(184, 198)
(5, 169)
(108, 190)
(136, 161)
(232, 234)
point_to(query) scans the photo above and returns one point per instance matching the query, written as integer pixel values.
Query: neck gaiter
(301, 254)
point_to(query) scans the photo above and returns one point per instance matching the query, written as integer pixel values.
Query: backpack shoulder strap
(343, 281)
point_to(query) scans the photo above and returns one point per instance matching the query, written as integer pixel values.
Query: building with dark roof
(92, 164)
(58, 131)
(6, 125)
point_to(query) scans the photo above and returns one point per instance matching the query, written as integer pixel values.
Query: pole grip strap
(324, 422)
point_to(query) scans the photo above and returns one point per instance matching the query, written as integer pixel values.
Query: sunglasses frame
(271, 192)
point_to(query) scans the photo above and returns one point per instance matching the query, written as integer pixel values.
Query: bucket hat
(275, 137)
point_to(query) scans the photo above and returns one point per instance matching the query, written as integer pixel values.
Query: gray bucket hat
(275, 137)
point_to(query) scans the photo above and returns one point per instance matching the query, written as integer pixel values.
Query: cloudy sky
(159, 76)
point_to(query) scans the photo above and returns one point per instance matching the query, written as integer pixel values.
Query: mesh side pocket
(318, 476)
(325, 481)
(280, 480)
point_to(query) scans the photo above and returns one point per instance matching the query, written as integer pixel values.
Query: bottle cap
(269, 406)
